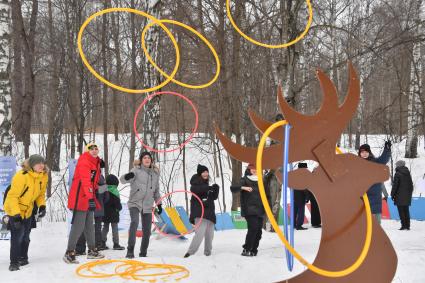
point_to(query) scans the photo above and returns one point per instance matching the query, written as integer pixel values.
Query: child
(112, 212)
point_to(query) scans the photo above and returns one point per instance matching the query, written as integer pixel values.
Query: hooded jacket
(27, 188)
(84, 183)
(144, 187)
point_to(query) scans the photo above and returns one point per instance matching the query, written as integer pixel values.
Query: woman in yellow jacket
(28, 188)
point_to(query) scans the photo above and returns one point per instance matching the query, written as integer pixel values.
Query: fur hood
(26, 166)
(138, 163)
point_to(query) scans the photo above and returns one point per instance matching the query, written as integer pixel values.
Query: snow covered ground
(224, 265)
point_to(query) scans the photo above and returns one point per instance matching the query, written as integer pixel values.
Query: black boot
(187, 255)
(69, 257)
(142, 254)
(245, 252)
(14, 267)
(130, 252)
(23, 262)
(118, 247)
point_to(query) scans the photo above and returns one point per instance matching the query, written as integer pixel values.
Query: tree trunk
(105, 42)
(414, 103)
(5, 93)
(151, 111)
(57, 98)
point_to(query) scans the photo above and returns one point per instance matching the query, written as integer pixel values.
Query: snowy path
(225, 265)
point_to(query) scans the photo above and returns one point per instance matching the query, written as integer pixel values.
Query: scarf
(114, 190)
(253, 178)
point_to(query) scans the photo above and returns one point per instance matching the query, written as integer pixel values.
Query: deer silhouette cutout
(338, 184)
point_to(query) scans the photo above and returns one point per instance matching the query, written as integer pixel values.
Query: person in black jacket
(300, 199)
(112, 212)
(401, 193)
(252, 209)
(200, 186)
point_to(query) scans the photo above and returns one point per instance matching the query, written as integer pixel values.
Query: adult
(252, 209)
(144, 191)
(199, 185)
(82, 201)
(375, 191)
(28, 187)
(401, 193)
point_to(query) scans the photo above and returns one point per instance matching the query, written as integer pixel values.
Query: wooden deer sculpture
(338, 184)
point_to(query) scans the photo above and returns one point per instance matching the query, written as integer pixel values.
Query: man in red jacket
(82, 201)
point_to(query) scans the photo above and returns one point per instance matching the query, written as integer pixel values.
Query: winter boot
(130, 252)
(94, 254)
(245, 252)
(14, 267)
(69, 257)
(187, 255)
(254, 253)
(23, 262)
(142, 254)
(78, 253)
(117, 247)
(102, 246)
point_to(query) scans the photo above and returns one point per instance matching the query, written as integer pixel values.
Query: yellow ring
(105, 81)
(217, 60)
(131, 271)
(310, 19)
(266, 205)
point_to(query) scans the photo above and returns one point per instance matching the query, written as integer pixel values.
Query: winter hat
(36, 159)
(279, 117)
(89, 145)
(201, 169)
(143, 154)
(400, 163)
(302, 165)
(365, 147)
(250, 166)
(112, 180)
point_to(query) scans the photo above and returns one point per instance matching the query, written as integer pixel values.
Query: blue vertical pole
(289, 256)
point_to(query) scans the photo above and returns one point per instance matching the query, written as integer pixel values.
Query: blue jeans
(19, 240)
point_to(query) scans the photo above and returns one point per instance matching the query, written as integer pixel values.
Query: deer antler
(321, 130)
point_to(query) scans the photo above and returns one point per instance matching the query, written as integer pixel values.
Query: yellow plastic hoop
(310, 19)
(217, 60)
(105, 81)
(131, 271)
(318, 270)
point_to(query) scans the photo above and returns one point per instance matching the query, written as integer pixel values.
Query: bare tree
(5, 94)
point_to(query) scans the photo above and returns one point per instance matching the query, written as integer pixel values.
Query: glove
(92, 205)
(16, 221)
(385, 198)
(388, 144)
(42, 211)
(102, 163)
(159, 208)
(129, 176)
(215, 187)
(210, 193)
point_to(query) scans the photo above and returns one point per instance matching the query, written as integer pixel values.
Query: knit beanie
(36, 159)
(201, 169)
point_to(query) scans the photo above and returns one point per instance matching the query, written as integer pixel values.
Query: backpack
(8, 189)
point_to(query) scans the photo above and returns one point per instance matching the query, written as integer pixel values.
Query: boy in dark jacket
(252, 209)
(112, 212)
(401, 193)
